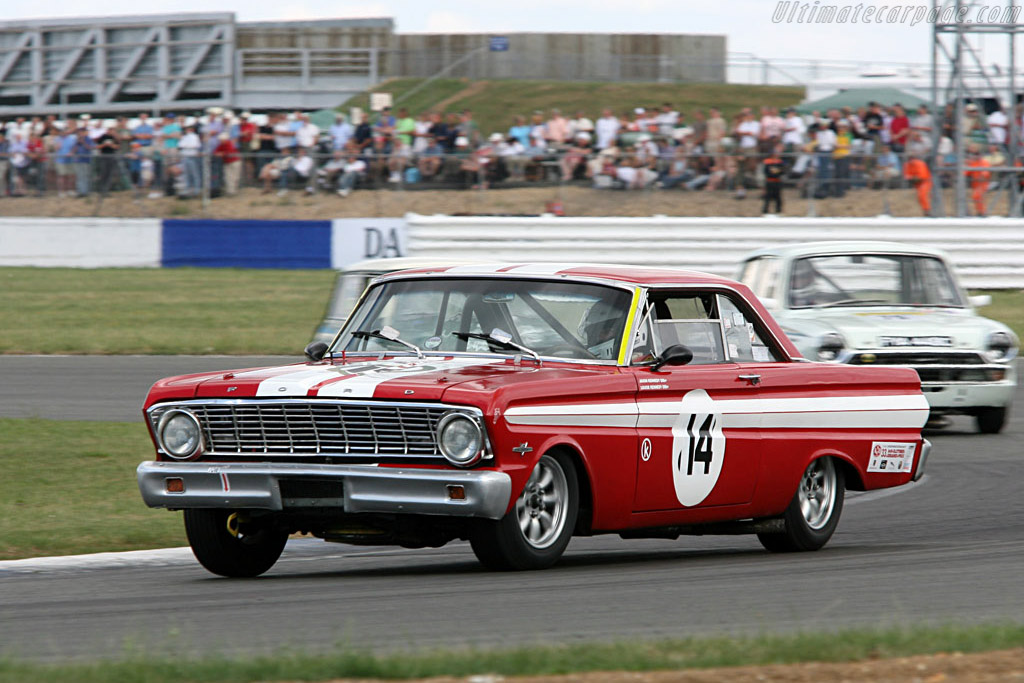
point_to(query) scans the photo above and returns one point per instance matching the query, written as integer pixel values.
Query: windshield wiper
(500, 338)
(388, 334)
(852, 302)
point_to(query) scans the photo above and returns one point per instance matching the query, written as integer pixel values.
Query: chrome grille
(315, 428)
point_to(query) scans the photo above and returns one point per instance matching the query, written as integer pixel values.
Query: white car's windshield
(553, 319)
(871, 280)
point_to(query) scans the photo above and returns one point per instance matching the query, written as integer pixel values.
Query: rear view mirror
(315, 351)
(981, 300)
(677, 354)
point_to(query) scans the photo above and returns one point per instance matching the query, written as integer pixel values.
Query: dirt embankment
(575, 201)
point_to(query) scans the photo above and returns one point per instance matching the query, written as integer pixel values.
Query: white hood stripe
(359, 380)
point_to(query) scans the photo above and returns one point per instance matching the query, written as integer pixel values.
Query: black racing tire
(991, 420)
(536, 531)
(813, 514)
(251, 552)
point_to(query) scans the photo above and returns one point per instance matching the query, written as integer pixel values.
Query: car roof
(842, 247)
(388, 265)
(618, 274)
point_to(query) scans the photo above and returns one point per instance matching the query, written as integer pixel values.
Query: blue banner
(246, 244)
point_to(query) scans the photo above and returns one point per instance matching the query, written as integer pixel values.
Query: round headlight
(460, 439)
(180, 434)
(1000, 347)
(830, 346)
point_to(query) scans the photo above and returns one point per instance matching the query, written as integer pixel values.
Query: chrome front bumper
(358, 488)
(922, 460)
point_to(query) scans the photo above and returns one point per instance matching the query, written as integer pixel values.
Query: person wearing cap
(978, 175)
(841, 157)
(405, 127)
(230, 163)
(65, 161)
(748, 132)
(899, 129)
(574, 156)
(716, 128)
(307, 134)
(5, 160)
(998, 125)
(341, 132)
(774, 170)
(824, 145)
(190, 147)
(108, 148)
(430, 159)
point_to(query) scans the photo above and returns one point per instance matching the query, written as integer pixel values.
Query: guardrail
(988, 252)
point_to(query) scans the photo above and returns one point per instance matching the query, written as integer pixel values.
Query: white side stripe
(905, 411)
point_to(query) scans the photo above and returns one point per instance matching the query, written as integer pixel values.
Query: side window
(742, 340)
(687, 319)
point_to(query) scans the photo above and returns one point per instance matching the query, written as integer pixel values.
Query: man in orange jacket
(916, 171)
(979, 176)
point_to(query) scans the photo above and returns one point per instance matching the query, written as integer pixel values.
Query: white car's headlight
(1000, 347)
(830, 346)
(460, 439)
(180, 435)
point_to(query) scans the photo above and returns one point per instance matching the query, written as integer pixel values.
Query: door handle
(753, 379)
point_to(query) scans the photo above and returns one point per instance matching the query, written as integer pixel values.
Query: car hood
(863, 327)
(404, 378)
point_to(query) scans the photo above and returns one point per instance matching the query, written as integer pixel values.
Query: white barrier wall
(80, 242)
(988, 252)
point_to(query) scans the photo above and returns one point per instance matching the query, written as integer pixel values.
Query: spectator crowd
(821, 154)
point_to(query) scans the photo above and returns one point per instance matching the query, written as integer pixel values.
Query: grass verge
(197, 310)
(160, 310)
(494, 103)
(69, 487)
(678, 654)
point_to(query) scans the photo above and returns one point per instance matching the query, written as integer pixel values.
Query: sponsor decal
(891, 456)
(698, 448)
(645, 450)
(933, 340)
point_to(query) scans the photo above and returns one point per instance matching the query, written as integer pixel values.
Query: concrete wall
(562, 56)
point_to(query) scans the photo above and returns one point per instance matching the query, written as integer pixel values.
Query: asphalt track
(949, 549)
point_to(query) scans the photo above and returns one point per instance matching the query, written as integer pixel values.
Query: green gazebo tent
(859, 97)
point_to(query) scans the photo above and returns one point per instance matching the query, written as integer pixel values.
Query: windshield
(554, 319)
(871, 280)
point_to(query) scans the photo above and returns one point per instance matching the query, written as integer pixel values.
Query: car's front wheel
(229, 544)
(536, 531)
(990, 420)
(813, 513)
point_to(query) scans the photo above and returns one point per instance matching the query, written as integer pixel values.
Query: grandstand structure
(191, 61)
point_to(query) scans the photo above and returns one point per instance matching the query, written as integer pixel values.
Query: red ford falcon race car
(515, 406)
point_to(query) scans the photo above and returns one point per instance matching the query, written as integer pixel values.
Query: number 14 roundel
(698, 448)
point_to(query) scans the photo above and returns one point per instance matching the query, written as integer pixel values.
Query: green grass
(687, 653)
(69, 488)
(494, 103)
(1008, 308)
(160, 311)
(197, 310)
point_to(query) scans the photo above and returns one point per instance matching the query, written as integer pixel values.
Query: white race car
(881, 303)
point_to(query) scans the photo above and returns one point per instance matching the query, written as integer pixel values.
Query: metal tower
(958, 59)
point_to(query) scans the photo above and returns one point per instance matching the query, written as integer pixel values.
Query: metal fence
(813, 177)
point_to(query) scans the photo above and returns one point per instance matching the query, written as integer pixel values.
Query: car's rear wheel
(813, 513)
(536, 531)
(227, 543)
(990, 420)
